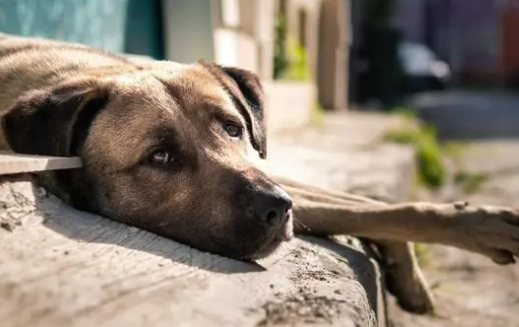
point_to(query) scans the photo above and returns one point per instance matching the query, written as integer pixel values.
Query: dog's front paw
(404, 278)
(491, 231)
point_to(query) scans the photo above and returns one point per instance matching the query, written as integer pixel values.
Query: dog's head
(166, 149)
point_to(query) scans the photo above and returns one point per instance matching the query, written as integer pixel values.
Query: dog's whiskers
(302, 225)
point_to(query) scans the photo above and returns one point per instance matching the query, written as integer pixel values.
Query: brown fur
(67, 100)
(74, 101)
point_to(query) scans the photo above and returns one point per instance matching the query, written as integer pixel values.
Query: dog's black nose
(272, 207)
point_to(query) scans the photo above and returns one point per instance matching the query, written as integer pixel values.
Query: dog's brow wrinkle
(161, 82)
(175, 93)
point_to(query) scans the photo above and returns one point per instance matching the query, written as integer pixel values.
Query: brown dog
(167, 147)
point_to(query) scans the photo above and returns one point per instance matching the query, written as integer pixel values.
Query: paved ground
(471, 290)
(470, 115)
(345, 152)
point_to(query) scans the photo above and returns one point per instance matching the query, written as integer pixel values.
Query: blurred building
(230, 32)
(478, 40)
(239, 33)
(242, 34)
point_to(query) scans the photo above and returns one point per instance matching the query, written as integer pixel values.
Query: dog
(169, 148)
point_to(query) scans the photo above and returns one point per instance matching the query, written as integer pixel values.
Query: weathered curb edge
(64, 267)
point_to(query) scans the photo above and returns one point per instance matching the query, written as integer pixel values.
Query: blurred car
(423, 70)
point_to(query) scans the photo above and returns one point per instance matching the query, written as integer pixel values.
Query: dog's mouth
(288, 228)
(244, 250)
(284, 234)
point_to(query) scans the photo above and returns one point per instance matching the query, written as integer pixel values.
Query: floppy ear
(54, 121)
(247, 93)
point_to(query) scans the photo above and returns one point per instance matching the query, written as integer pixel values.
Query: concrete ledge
(385, 172)
(345, 153)
(289, 104)
(62, 267)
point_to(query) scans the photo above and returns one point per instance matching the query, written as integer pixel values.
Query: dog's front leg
(488, 230)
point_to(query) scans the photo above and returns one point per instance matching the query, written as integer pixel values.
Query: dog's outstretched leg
(404, 278)
(491, 231)
(488, 230)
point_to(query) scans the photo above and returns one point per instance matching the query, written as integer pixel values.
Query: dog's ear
(54, 121)
(247, 93)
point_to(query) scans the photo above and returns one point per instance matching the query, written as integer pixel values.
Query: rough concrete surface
(62, 267)
(345, 152)
(291, 102)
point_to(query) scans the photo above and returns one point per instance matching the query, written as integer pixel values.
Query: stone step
(63, 267)
(11, 163)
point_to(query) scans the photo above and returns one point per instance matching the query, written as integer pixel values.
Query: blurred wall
(323, 29)
(229, 32)
(188, 30)
(111, 25)
(333, 53)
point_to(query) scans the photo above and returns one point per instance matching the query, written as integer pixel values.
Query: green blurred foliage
(430, 168)
(290, 59)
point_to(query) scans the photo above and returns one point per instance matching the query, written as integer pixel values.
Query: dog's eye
(233, 129)
(161, 157)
